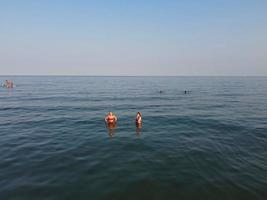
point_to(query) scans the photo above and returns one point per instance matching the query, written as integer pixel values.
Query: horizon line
(77, 75)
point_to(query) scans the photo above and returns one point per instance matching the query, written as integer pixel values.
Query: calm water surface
(210, 143)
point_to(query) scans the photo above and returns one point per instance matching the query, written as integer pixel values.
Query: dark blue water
(210, 143)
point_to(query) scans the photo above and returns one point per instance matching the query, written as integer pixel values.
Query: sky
(132, 38)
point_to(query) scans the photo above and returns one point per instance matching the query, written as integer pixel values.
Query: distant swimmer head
(160, 91)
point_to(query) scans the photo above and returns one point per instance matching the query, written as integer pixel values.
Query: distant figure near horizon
(187, 91)
(8, 84)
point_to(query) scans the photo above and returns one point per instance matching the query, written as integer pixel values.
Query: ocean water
(210, 143)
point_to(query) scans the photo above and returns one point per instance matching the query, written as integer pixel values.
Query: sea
(201, 138)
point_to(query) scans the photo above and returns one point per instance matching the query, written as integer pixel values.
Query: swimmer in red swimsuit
(110, 118)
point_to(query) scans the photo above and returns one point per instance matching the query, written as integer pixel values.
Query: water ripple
(207, 144)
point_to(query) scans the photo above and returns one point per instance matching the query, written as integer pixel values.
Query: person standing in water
(8, 84)
(138, 118)
(110, 118)
(138, 123)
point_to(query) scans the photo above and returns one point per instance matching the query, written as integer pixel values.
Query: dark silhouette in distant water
(186, 92)
(160, 91)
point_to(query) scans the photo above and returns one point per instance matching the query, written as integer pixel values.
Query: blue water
(210, 143)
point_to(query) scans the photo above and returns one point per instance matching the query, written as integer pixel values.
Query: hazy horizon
(140, 38)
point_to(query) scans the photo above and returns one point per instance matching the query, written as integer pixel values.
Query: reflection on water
(111, 128)
(138, 128)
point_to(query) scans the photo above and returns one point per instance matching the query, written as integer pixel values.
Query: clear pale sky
(133, 37)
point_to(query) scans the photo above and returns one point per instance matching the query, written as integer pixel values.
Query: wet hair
(139, 113)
